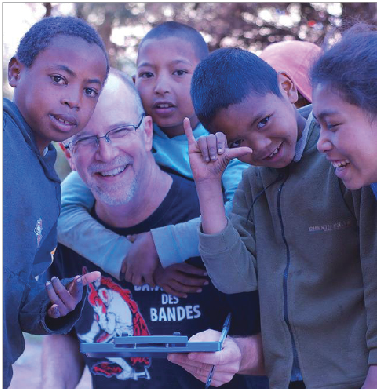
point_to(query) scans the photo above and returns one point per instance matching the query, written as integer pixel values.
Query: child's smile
(348, 137)
(268, 125)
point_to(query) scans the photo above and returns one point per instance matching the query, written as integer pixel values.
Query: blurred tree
(361, 11)
(252, 26)
(248, 25)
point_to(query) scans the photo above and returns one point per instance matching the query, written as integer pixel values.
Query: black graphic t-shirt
(115, 308)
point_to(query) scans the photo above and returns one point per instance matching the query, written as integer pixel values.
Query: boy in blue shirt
(163, 82)
(58, 72)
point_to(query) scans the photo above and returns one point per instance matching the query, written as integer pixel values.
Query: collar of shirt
(301, 143)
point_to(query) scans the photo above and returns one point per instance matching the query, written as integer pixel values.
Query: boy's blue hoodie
(31, 206)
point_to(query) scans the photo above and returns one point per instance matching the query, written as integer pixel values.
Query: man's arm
(62, 363)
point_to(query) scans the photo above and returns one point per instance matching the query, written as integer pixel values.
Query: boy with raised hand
(58, 72)
(295, 232)
(163, 82)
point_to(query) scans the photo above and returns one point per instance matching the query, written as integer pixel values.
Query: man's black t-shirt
(116, 308)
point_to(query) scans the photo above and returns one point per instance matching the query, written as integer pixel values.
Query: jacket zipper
(295, 365)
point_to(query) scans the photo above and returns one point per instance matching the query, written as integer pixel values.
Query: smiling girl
(345, 104)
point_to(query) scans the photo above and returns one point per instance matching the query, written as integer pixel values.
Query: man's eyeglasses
(91, 143)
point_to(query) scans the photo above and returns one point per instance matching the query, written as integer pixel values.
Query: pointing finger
(188, 132)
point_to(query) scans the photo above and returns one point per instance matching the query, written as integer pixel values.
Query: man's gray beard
(108, 198)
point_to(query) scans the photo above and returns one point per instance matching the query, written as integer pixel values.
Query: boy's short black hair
(226, 77)
(39, 37)
(350, 66)
(182, 31)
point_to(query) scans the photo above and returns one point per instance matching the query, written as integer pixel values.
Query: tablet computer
(148, 346)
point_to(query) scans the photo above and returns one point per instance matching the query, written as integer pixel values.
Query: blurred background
(251, 26)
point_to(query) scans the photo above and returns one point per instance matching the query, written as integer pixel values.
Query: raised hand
(180, 279)
(141, 261)
(65, 299)
(210, 155)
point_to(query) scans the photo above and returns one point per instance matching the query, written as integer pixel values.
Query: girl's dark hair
(40, 35)
(350, 66)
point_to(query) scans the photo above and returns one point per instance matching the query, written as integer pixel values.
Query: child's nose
(72, 99)
(162, 85)
(323, 143)
(260, 144)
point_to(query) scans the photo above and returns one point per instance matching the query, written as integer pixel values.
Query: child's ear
(287, 85)
(14, 71)
(148, 132)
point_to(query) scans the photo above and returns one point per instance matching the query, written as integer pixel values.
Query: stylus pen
(224, 333)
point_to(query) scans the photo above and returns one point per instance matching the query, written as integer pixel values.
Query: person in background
(57, 75)
(295, 58)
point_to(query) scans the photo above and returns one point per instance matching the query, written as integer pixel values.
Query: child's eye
(90, 92)
(145, 75)
(235, 143)
(263, 122)
(332, 127)
(179, 72)
(58, 79)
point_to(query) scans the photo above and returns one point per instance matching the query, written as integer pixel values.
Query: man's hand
(65, 299)
(210, 155)
(227, 361)
(371, 380)
(141, 261)
(180, 279)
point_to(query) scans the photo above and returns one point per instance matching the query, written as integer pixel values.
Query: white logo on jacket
(38, 231)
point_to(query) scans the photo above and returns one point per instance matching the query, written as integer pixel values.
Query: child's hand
(210, 155)
(141, 261)
(371, 380)
(180, 279)
(65, 299)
